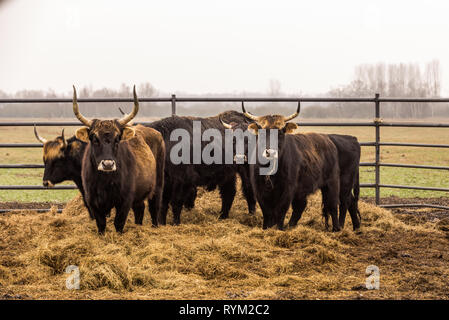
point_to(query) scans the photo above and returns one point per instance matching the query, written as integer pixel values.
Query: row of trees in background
(389, 80)
(393, 80)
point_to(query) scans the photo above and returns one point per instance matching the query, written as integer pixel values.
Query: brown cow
(304, 163)
(118, 167)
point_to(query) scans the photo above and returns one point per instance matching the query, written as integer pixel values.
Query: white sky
(208, 46)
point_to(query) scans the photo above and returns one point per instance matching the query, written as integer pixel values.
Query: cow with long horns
(118, 167)
(63, 158)
(304, 163)
(348, 149)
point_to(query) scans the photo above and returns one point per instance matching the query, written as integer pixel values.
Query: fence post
(377, 161)
(173, 104)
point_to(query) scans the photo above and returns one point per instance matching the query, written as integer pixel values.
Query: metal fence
(377, 123)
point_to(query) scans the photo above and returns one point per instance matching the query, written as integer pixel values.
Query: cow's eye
(94, 139)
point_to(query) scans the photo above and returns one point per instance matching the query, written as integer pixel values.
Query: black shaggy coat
(306, 163)
(181, 180)
(348, 149)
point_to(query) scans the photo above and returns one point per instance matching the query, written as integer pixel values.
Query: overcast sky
(207, 46)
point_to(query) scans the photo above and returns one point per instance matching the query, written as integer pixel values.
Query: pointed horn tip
(38, 137)
(226, 125)
(134, 93)
(243, 106)
(74, 93)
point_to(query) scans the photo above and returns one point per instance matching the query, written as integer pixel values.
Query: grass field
(405, 155)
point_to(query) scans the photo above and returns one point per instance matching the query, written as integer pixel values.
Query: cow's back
(317, 159)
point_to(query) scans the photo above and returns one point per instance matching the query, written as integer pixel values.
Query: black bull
(181, 180)
(348, 154)
(348, 149)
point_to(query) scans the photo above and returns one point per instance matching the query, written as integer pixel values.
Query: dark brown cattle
(182, 180)
(348, 148)
(63, 158)
(305, 163)
(118, 168)
(62, 161)
(348, 159)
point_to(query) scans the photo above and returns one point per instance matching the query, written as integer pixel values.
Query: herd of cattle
(118, 165)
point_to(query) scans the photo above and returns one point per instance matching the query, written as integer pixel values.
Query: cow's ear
(253, 128)
(82, 134)
(290, 127)
(128, 133)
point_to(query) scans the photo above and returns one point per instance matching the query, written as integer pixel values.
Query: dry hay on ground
(206, 258)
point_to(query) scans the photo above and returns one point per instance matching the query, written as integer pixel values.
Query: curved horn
(129, 117)
(38, 137)
(64, 142)
(125, 114)
(76, 110)
(226, 125)
(294, 115)
(249, 115)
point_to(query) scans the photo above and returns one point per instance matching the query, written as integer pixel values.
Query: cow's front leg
(121, 215)
(100, 217)
(281, 210)
(267, 213)
(227, 192)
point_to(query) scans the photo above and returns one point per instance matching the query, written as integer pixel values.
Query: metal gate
(377, 123)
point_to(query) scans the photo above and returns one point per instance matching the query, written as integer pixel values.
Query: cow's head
(240, 136)
(62, 158)
(104, 136)
(272, 122)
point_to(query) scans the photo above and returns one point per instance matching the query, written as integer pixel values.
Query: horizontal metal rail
(21, 145)
(225, 99)
(414, 166)
(419, 145)
(394, 186)
(21, 166)
(188, 99)
(414, 125)
(362, 164)
(12, 187)
(303, 124)
(367, 185)
(40, 210)
(414, 205)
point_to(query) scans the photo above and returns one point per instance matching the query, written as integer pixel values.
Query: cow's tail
(356, 192)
